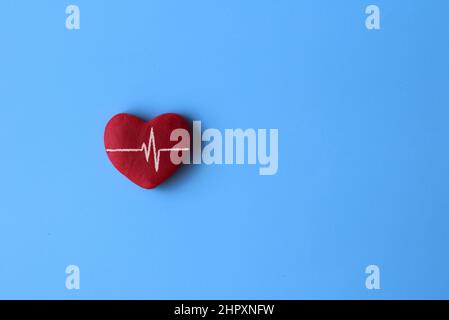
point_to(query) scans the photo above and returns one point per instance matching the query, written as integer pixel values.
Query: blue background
(363, 159)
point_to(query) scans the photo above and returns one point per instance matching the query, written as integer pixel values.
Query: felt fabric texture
(138, 149)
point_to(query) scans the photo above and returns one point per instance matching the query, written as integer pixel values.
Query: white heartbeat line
(146, 149)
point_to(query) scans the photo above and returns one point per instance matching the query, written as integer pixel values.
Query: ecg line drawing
(147, 149)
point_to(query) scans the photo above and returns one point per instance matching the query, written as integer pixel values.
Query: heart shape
(141, 150)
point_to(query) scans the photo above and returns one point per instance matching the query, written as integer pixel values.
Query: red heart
(138, 149)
